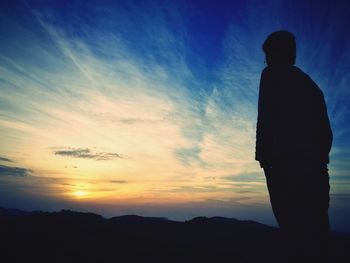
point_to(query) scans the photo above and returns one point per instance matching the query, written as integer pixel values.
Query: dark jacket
(292, 121)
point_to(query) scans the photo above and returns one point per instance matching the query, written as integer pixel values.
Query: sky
(149, 107)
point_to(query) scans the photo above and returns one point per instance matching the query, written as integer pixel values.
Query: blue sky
(149, 107)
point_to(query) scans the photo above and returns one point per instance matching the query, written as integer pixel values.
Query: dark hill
(4, 212)
(69, 236)
(138, 219)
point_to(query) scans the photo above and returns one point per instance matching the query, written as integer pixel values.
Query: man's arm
(327, 135)
(323, 127)
(263, 129)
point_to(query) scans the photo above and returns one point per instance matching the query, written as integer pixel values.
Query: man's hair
(280, 48)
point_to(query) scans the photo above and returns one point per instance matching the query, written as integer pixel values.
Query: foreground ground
(69, 236)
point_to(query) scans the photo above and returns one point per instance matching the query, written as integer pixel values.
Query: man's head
(280, 48)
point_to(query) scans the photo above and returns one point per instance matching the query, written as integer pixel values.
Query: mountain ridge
(71, 236)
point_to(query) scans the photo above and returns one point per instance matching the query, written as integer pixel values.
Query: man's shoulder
(269, 72)
(266, 71)
(282, 68)
(307, 83)
(299, 72)
(286, 72)
(308, 80)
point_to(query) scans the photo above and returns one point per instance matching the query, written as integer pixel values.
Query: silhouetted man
(293, 141)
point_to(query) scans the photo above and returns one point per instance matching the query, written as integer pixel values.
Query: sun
(80, 194)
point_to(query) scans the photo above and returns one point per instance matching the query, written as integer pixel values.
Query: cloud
(73, 166)
(187, 155)
(14, 171)
(200, 189)
(245, 177)
(5, 159)
(86, 153)
(118, 181)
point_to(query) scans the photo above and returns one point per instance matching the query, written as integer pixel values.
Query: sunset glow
(80, 194)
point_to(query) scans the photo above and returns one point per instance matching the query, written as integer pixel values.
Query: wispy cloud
(87, 154)
(246, 177)
(14, 171)
(118, 181)
(4, 159)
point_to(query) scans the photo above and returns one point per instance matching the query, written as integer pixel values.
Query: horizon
(150, 107)
(28, 213)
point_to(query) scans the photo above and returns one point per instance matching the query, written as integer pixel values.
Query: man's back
(293, 122)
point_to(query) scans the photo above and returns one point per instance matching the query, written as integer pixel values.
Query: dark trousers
(299, 195)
